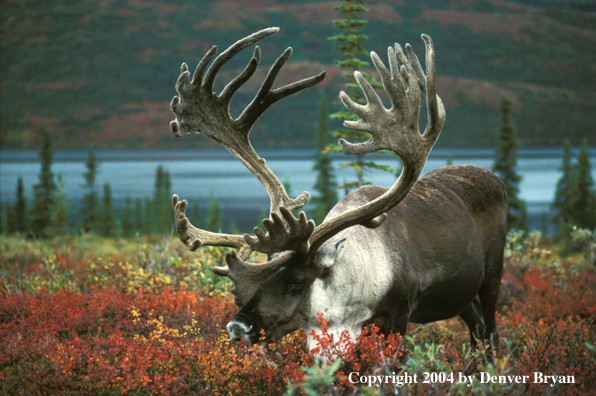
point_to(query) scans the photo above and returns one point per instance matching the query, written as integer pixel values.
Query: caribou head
(370, 260)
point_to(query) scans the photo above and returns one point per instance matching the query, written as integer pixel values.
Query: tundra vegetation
(94, 315)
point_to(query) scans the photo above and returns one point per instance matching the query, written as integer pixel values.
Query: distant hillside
(101, 73)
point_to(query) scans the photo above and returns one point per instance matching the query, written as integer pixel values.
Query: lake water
(195, 174)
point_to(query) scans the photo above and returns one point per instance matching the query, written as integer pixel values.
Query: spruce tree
(167, 221)
(60, 210)
(349, 42)
(287, 185)
(128, 217)
(505, 167)
(325, 185)
(583, 195)
(44, 191)
(214, 222)
(3, 223)
(106, 223)
(233, 229)
(138, 215)
(563, 192)
(20, 209)
(263, 215)
(10, 218)
(162, 200)
(90, 199)
(196, 215)
(158, 190)
(149, 217)
(2, 216)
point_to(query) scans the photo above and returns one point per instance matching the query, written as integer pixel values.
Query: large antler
(200, 111)
(394, 129)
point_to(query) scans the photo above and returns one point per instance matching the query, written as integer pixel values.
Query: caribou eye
(297, 285)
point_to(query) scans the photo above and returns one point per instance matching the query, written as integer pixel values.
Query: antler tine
(394, 129)
(279, 238)
(291, 241)
(194, 237)
(229, 90)
(202, 66)
(379, 121)
(417, 67)
(228, 54)
(184, 85)
(265, 97)
(436, 110)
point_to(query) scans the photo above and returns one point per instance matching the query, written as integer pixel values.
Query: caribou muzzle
(243, 327)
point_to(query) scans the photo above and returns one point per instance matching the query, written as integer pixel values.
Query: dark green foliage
(575, 197)
(326, 184)
(3, 225)
(289, 190)
(128, 218)
(233, 229)
(9, 221)
(60, 211)
(20, 209)
(349, 41)
(90, 200)
(214, 222)
(138, 215)
(107, 222)
(162, 201)
(3, 215)
(195, 214)
(287, 186)
(149, 217)
(505, 167)
(264, 215)
(583, 194)
(44, 191)
(563, 194)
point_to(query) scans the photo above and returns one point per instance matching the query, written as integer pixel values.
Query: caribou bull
(421, 251)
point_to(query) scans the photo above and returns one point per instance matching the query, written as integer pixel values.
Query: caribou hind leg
(479, 316)
(489, 291)
(473, 317)
(489, 294)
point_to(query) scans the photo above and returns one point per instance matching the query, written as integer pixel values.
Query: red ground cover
(76, 338)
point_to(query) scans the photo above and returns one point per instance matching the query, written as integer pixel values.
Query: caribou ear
(330, 254)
